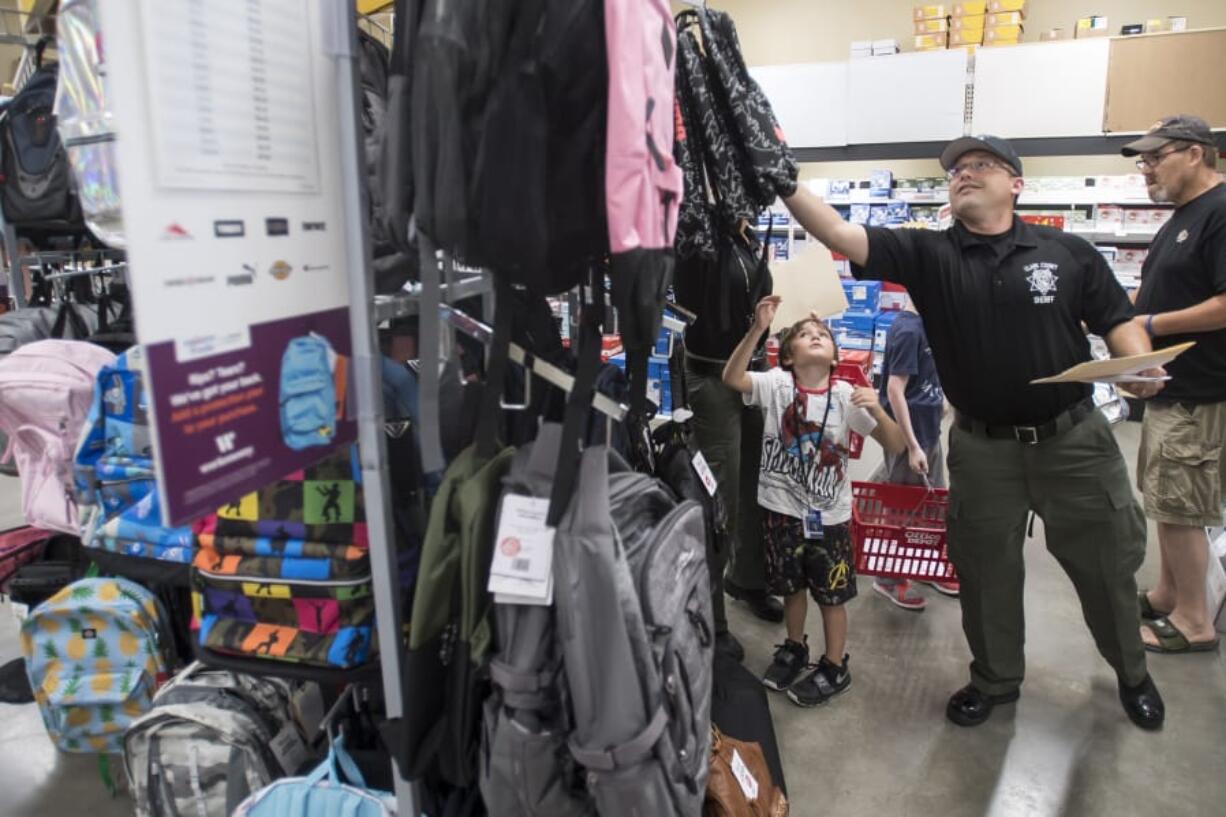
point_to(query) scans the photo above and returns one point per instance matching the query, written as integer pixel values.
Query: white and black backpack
(212, 738)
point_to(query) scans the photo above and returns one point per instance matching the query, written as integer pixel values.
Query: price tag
(744, 777)
(705, 473)
(523, 551)
(289, 749)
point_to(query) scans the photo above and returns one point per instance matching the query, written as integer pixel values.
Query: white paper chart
(231, 98)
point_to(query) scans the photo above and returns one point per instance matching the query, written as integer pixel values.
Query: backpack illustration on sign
(620, 702)
(212, 738)
(309, 405)
(116, 481)
(46, 391)
(283, 574)
(37, 188)
(95, 652)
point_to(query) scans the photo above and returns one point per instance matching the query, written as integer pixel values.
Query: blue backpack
(335, 787)
(116, 482)
(308, 393)
(95, 652)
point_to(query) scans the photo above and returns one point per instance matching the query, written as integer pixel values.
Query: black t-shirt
(1003, 311)
(1185, 266)
(908, 352)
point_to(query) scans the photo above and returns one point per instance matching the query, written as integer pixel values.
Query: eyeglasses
(1155, 160)
(976, 168)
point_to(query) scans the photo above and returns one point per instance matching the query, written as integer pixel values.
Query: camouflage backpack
(212, 738)
(283, 573)
(95, 652)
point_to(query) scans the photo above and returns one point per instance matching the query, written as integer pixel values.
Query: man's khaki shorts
(1180, 467)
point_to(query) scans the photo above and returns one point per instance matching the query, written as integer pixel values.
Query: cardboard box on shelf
(967, 36)
(1051, 34)
(882, 48)
(1002, 34)
(997, 6)
(960, 23)
(1177, 23)
(936, 12)
(1095, 26)
(931, 42)
(970, 9)
(1004, 18)
(931, 26)
(1155, 24)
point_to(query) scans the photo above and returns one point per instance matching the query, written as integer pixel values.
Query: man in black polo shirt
(1003, 303)
(1183, 436)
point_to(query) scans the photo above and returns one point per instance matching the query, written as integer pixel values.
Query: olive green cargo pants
(1078, 485)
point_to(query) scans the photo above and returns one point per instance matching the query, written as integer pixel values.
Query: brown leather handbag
(740, 784)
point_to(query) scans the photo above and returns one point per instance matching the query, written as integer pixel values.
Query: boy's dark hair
(789, 334)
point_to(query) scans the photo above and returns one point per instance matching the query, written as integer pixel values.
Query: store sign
(228, 147)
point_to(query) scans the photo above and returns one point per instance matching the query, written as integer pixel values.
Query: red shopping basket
(899, 531)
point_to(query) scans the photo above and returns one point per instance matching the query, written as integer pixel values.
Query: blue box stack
(659, 382)
(862, 296)
(884, 321)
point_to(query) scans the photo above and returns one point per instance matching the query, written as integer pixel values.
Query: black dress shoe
(1143, 704)
(760, 603)
(970, 707)
(727, 644)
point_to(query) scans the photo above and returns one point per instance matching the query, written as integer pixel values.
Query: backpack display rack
(656, 729)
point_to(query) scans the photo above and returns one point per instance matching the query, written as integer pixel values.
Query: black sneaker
(790, 661)
(822, 684)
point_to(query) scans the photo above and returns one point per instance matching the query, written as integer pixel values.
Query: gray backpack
(601, 704)
(212, 738)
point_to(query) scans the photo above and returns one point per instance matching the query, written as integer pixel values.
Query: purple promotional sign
(229, 421)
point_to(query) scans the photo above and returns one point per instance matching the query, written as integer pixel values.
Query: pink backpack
(642, 180)
(46, 390)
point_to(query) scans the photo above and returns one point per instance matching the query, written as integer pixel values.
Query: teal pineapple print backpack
(95, 653)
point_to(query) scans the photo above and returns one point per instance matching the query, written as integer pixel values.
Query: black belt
(1029, 435)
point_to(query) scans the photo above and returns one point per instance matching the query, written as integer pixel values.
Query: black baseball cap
(1178, 128)
(998, 147)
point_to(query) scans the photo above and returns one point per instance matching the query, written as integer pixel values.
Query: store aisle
(884, 747)
(1067, 748)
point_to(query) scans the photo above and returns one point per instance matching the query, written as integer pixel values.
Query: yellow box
(972, 22)
(997, 6)
(966, 36)
(970, 9)
(1002, 34)
(1091, 27)
(928, 42)
(937, 12)
(1155, 24)
(1004, 18)
(931, 26)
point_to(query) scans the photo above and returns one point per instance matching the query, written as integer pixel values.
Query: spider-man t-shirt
(795, 475)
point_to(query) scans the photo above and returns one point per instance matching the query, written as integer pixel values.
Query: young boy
(911, 394)
(804, 492)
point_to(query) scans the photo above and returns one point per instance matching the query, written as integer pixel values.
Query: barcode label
(521, 565)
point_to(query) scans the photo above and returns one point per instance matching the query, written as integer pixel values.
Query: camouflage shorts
(826, 567)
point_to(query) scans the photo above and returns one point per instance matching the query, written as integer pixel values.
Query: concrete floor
(885, 747)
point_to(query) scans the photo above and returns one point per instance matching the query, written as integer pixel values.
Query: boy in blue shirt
(911, 395)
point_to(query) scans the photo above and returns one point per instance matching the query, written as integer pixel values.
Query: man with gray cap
(1003, 303)
(1183, 436)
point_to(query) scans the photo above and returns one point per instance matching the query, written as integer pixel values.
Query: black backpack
(37, 186)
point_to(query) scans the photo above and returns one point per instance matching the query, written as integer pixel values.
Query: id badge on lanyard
(813, 518)
(813, 525)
